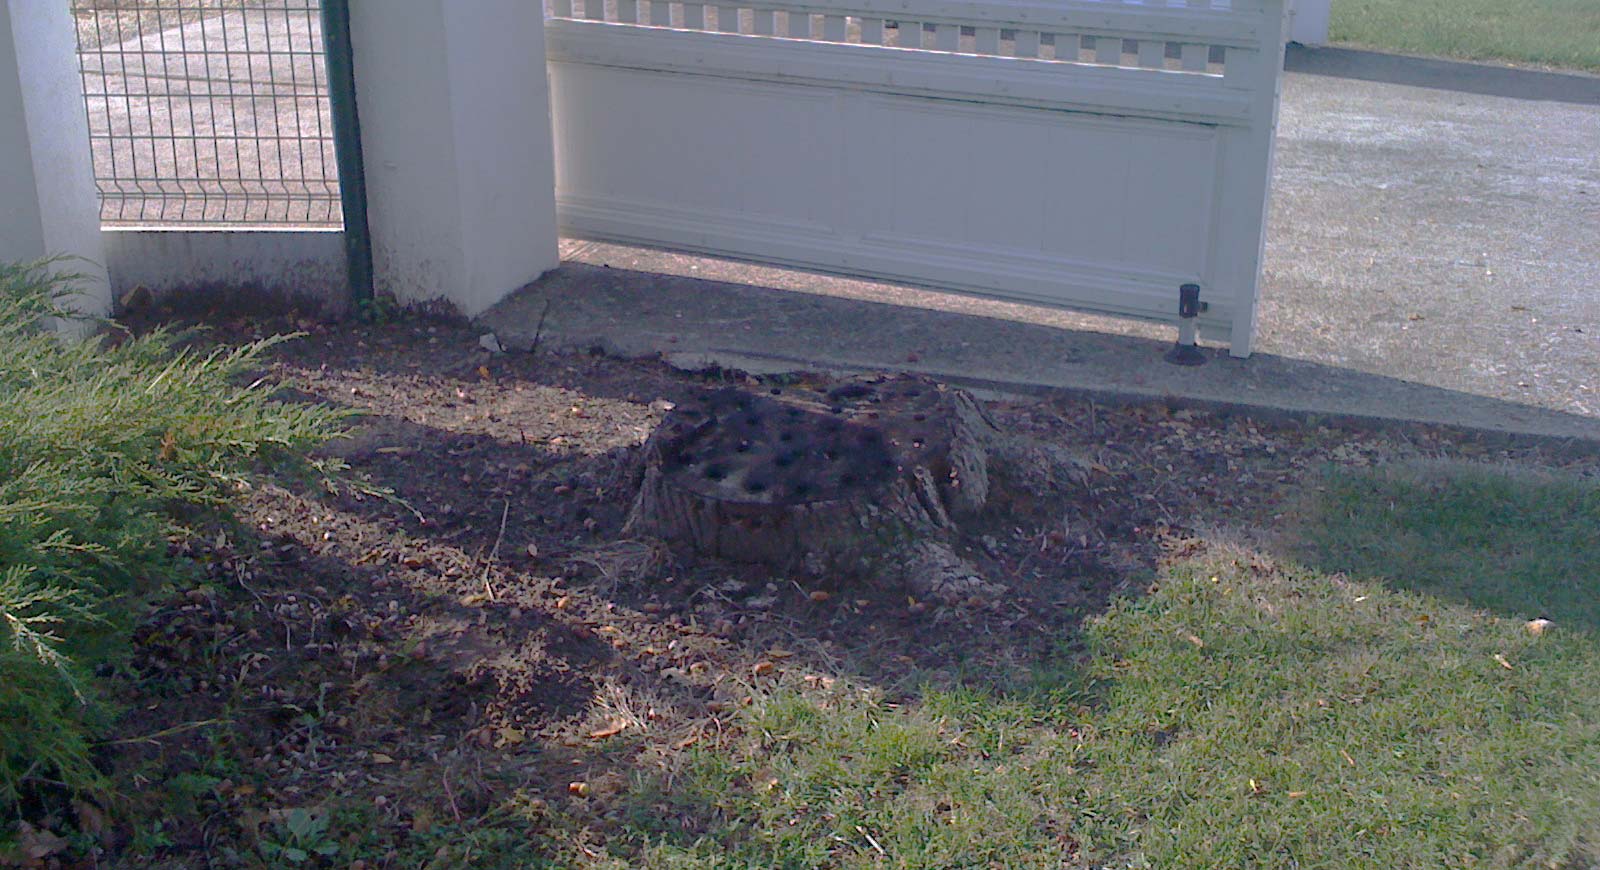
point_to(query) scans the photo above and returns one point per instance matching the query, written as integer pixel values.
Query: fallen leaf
(1503, 663)
(1194, 639)
(380, 758)
(1297, 794)
(483, 372)
(139, 297)
(763, 668)
(616, 727)
(820, 596)
(779, 653)
(92, 820)
(1348, 760)
(38, 844)
(581, 789)
(509, 736)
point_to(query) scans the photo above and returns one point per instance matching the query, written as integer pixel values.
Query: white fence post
(1308, 21)
(455, 118)
(48, 203)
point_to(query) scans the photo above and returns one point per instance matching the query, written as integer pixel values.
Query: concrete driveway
(1439, 222)
(1434, 254)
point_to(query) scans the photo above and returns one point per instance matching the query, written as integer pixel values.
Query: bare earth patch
(485, 651)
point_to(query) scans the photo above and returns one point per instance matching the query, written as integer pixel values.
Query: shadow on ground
(838, 324)
(1450, 75)
(1517, 543)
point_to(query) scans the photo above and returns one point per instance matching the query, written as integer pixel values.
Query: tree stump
(867, 479)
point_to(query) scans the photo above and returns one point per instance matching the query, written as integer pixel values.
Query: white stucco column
(48, 203)
(455, 132)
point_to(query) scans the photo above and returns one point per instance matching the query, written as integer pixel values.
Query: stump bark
(868, 479)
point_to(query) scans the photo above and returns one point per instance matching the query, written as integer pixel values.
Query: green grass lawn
(1381, 705)
(1560, 33)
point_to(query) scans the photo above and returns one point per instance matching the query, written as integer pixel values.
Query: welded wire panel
(208, 112)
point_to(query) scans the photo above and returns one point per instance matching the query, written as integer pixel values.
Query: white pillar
(48, 202)
(455, 131)
(1308, 21)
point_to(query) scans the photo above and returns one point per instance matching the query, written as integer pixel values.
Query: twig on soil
(494, 551)
(167, 732)
(873, 840)
(538, 330)
(505, 511)
(454, 810)
(626, 561)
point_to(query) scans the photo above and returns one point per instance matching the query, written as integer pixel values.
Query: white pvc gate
(1090, 155)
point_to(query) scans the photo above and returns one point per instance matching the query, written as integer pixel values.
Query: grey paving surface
(1434, 254)
(1446, 234)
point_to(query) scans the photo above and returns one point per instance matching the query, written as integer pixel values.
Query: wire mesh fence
(208, 112)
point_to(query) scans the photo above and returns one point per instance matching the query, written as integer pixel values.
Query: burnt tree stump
(866, 479)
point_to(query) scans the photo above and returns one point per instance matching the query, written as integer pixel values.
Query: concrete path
(1434, 254)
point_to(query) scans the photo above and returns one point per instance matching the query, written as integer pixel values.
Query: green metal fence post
(347, 146)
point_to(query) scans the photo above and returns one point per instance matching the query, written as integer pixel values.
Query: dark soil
(406, 666)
